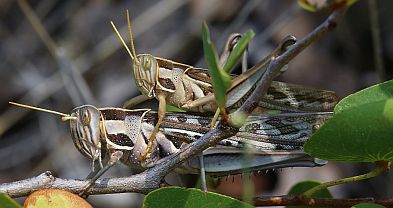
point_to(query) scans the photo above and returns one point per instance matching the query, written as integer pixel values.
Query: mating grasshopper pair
(126, 134)
(276, 140)
(190, 88)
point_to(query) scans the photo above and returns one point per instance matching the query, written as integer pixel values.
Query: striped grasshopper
(190, 88)
(276, 140)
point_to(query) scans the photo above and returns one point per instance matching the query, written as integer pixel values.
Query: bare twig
(141, 183)
(151, 178)
(293, 200)
(377, 42)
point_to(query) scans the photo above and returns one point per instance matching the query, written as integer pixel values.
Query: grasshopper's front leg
(94, 175)
(161, 115)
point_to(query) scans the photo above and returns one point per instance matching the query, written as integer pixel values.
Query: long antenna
(131, 38)
(122, 40)
(64, 117)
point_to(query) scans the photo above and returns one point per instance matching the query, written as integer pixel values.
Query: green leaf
(238, 51)
(8, 202)
(367, 205)
(189, 198)
(171, 108)
(360, 130)
(379, 92)
(221, 81)
(303, 186)
(357, 134)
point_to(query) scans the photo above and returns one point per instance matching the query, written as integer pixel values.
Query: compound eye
(86, 117)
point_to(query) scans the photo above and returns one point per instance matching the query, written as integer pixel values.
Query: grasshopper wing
(298, 98)
(274, 141)
(287, 98)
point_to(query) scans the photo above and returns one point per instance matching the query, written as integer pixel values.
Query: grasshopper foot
(144, 156)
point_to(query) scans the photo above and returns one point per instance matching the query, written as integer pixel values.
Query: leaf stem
(378, 170)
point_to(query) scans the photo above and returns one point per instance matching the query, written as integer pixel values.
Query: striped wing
(291, 97)
(278, 132)
(280, 96)
(276, 142)
(264, 131)
(287, 98)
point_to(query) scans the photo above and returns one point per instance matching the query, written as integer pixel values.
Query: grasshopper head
(86, 131)
(145, 69)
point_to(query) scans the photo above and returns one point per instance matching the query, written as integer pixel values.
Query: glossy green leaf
(189, 198)
(221, 81)
(379, 92)
(367, 205)
(238, 51)
(8, 202)
(357, 134)
(303, 186)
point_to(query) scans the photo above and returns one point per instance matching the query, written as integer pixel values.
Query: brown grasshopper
(190, 88)
(276, 140)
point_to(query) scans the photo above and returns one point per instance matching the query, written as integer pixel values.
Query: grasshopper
(276, 140)
(190, 88)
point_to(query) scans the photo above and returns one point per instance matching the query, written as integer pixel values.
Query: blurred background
(81, 61)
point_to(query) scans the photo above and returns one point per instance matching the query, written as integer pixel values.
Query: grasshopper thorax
(86, 131)
(145, 68)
